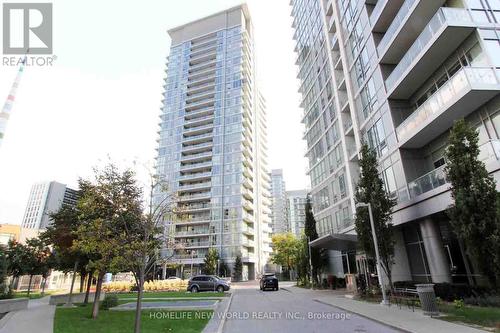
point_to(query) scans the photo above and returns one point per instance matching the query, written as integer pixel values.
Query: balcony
(489, 151)
(198, 130)
(199, 122)
(194, 139)
(195, 207)
(199, 96)
(195, 187)
(196, 166)
(463, 93)
(196, 176)
(198, 157)
(198, 105)
(198, 148)
(193, 198)
(198, 114)
(441, 37)
(410, 20)
(383, 14)
(190, 233)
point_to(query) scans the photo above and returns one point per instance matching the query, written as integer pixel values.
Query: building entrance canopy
(337, 242)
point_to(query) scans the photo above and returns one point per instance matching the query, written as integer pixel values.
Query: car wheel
(220, 289)
(277, 288)
(194, 289)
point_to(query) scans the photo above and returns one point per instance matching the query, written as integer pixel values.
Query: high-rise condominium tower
(212, 145)
(46, 198)
(296, 207)
(396, 74)
(279, 213)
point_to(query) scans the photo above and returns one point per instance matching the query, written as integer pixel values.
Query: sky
(101, 98)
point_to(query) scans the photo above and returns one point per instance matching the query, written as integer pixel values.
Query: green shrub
(458, 304)
(486, 300)
(110, 301)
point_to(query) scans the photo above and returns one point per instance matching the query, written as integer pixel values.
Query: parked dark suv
(207, 283)
(269, 281)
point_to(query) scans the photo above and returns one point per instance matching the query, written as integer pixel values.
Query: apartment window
(376, 138)
(493, 47)
(389, 181)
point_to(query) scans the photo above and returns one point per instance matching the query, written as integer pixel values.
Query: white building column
(434, 250)
(401, 268)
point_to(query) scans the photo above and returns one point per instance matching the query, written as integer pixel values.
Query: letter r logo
(27, 26)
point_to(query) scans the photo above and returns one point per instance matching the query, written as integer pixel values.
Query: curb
(5, 319)
(364, 316)
(223, 321)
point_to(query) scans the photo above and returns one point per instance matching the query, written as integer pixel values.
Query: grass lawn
(78, 320)
(171, 294)
(483, 316)
(33, 295)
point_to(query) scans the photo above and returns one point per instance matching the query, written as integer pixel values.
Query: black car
(207, 283)
(269, 281)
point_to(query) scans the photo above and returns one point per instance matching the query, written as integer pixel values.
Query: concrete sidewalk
(38, 317)
(403, 319)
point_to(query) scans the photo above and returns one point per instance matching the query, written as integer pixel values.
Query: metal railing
(442, 17)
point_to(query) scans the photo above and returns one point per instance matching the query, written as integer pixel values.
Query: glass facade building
(212, 144)
(296, 207)
(396, 74)
(279, 209)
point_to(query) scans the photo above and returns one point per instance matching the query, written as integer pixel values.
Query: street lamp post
(377, 255)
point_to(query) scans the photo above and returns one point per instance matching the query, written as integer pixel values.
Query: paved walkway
(38, 317)
(403, 319)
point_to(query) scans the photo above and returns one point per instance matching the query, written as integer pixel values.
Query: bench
(406, 296)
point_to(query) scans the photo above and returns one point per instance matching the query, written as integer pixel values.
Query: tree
(107, 206)
(303, 269)
(4, 271)
(61, 235)
(18, 261)
(210, 263)
(285, 248)
(238, 268)
(39, 261)
(312, 234)
(474, 214)
(144, 234)
(370, 189)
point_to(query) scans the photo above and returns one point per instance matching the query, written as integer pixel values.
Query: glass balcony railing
(437, 103)
(395, 25)
(427, 182)
(441, 18)
(437, 177)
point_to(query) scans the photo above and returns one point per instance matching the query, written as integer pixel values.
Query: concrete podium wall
(76, 298)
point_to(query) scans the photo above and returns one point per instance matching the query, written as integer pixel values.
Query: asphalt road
(254, 311)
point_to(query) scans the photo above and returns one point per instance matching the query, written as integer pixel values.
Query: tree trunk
(70, 296)
(29, 285)
(95, 307)
(44, 281)
(138, 309)
(83, 275)
(90, 276)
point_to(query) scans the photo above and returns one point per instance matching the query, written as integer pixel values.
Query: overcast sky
(103, 95)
